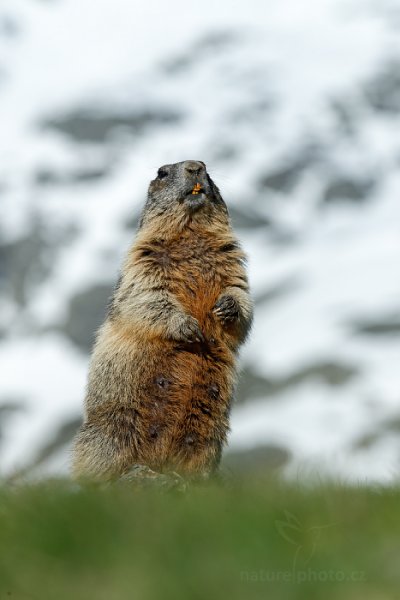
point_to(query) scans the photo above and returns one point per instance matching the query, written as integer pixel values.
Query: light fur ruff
(163, 368)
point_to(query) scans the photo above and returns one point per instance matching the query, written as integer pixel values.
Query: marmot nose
(194, 167)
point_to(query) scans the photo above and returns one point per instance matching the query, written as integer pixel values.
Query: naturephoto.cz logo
(291, 530)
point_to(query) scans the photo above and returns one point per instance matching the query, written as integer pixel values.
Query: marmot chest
(195, 273)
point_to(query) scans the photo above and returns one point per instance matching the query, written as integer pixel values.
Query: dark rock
(248, 219)
(331, 372)
(389, 327)
(368, 439)
(277, 291)
(252, 385)
(8, 26)
(49, 177)
(62, 437)
(285, 176)
(24, 263)
(261, 460)
(92, 126)
(216, 40)
(383, 90)
(87, 311)
(345, 115)
(178, 64)
(283, 179)
(224, 153)
(8, 407)
(346, 189)
(208, 45)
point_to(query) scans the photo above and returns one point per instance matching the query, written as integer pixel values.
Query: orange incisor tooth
(196, 189)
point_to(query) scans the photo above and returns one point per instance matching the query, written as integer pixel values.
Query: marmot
(163, 367)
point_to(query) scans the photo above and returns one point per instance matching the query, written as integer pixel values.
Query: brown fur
(163, 368)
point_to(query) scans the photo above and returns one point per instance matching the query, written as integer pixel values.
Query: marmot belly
(179, 395)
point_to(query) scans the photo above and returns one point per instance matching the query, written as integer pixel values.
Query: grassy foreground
(251, 540)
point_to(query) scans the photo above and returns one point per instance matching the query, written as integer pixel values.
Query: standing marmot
(163, 368)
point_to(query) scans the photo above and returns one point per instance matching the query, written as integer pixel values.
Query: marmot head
(183, 191)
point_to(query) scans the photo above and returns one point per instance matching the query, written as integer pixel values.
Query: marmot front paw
(188, 330)
(227, 309)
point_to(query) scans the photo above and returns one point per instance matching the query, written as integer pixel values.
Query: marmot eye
(162, 173)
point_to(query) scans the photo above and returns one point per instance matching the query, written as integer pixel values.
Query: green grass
(252, 540)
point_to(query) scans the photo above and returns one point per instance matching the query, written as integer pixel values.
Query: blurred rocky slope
(295, 109)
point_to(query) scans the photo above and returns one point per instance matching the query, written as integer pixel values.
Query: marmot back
(163, 368)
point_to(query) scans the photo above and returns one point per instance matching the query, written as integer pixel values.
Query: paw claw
(227, 309)
(190, 331)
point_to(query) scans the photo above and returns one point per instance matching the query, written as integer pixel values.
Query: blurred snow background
(295, 107)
